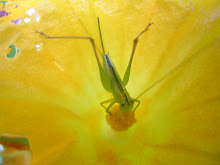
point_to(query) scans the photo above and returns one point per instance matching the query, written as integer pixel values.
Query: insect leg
(106, 101)
(128, 70)
(107, 109)
(138, 103)
(104, 79)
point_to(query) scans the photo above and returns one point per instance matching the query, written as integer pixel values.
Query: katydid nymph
(111, 81)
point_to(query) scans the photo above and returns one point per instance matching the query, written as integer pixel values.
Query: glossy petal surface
(50, 90)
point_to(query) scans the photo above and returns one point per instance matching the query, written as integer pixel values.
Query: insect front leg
(106, 101)
(138, 103)
(107, 109)
(128, 70)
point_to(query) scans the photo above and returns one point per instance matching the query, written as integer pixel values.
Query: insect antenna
(166, 75)
(155, 83)
(100, 33)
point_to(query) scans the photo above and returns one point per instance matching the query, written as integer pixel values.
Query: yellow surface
(52, 96)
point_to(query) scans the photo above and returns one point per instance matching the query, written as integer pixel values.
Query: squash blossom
(50, 90)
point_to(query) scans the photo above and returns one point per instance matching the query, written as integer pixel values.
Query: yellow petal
(51, 93)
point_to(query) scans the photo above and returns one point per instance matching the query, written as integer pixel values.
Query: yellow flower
(50, 90)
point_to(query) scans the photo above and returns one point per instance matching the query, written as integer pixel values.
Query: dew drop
(39, 46)
(17, 21)
(37, 18)
(30, 11)
(27, 20)
(18, 52)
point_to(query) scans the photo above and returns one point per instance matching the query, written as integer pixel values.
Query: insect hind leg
(128, 70)
(104, 79)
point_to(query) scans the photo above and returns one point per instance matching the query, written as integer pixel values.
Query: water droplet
(30, 11)
(39, 46)
(37, 18)
(27, 20)
(17, 21)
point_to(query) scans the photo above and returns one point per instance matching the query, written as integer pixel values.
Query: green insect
(111, 81)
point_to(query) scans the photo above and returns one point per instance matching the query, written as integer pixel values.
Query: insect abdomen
(118, 89)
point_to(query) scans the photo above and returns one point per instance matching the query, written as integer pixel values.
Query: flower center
(119, 120)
